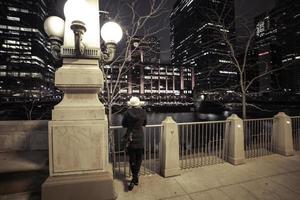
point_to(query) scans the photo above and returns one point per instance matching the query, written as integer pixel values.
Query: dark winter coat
(134, 119)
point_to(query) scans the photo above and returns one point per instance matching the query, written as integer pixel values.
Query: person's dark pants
(135, 161)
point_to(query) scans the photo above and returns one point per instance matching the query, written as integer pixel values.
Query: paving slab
(150, 187)
(199, 179)
(266, 189)
(237, 192)
(290, 180)
(214, 194)
(184, 197)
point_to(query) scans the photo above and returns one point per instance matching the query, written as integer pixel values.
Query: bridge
(230, 159)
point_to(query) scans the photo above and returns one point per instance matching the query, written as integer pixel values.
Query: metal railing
(120, 159)
(258, 137)
(296, 132)
(202, 143)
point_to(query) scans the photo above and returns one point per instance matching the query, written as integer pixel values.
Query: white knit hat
(135, 102)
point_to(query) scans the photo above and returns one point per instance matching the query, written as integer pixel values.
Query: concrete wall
(23, 135)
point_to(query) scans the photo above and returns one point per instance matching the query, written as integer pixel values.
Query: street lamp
(75, 11)
(54, 27)
(78, 131)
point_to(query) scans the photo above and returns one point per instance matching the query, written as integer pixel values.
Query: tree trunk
(111, 138)
(244, 111)
(109, 115)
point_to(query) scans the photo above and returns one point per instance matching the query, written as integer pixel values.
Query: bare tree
(138, 19)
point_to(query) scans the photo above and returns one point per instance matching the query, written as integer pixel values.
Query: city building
(143, 75)
(161, 80)
(144, 49)
(26, 64)
(277, 46)
(198, 28)
(159, 83)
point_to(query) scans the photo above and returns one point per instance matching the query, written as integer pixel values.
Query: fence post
(169, 148)
(235, 133)
(282, 132)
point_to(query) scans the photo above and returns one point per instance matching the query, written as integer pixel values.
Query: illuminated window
(3, 66)
(13, 18)
(13, 9)
(24, 10)
(260, 28)
(13, 28)
(263, 53)
(227, 72)
(26, 29)
(36, 75)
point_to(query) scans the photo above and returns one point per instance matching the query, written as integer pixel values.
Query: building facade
(144, 49)
(198, 28)
(277, 46)
(26, 64)
(153, 83)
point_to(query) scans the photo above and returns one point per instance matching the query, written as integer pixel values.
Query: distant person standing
(134, 119)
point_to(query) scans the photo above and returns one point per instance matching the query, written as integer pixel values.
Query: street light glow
(76, 10)
(54, 26)
(111, 32)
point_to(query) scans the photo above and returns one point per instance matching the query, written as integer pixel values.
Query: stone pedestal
(169, 148)
(282, 134)
(78, 147)
(235, 134)
(78, 136)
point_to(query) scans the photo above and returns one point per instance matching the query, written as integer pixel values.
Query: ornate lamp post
(78, 132)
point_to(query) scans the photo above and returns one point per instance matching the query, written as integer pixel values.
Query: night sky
(244, 8)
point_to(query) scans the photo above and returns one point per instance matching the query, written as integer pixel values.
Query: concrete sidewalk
(270, 177)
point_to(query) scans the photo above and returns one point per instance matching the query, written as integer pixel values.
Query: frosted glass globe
(111, 32)
(54, 26)
(76, 10)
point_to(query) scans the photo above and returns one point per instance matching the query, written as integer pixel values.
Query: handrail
(295, 117)
(246, 120)
(206, 122)
(147, 126)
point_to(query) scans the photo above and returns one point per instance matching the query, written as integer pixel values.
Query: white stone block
(235, 136)
(170, 149)
(282, 134)
(77, 147)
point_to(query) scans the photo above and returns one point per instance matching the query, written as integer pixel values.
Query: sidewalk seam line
(242, 182)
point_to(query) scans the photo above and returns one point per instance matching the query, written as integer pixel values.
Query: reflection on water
(157, 118)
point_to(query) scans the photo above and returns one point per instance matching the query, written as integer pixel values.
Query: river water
(157, 118)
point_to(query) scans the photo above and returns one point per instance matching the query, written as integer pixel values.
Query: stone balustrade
(23, 135)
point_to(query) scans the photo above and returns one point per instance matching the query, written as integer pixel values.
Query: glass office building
(26, 64)
(277, 46)
(197, 30)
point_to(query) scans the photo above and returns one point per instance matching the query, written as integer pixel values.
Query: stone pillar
(169, 149)
(282, 134)
(235, 136)
(78, 136)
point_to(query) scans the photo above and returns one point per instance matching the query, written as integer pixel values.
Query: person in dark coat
(134, 119)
